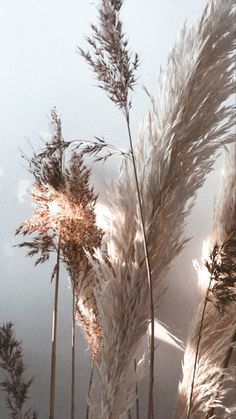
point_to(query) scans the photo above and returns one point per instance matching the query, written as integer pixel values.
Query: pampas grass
(116, 72)
(64, 222)
(188, 122)
(14, 385)
(116, 278)
(206, 371)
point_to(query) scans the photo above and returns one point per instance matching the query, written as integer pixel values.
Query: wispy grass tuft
(15, 384)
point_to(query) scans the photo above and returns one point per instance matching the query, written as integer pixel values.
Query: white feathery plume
(176, 149)
(217, 328)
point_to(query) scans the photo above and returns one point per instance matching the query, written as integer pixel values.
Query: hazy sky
(40, 69)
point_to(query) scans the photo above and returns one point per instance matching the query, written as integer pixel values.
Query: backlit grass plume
(115, 69)
(188, 122)
(14, 384)
(81, 235)
(206, 370)
(64, 222)
(111, 59)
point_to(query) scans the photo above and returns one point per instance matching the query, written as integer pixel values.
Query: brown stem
(73, 356)
(198, 348)
(54, 336)
(149, 276)
(225, 365)
(55, 308)
(129, 414)
(136, 391)
(89, 389)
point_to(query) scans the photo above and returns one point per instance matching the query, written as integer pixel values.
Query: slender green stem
(149, 276)
(54, 335)
(89, 389)
(73, 356)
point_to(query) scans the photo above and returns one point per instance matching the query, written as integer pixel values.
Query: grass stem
(149, 276)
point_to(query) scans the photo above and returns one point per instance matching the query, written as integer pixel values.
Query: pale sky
(40, 69)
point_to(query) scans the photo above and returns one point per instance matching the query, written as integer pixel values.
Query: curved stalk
(198, 348)
(149, 275)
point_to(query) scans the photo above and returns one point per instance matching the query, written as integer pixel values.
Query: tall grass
(64, 223)
(15, 385)
(186, 125)
(206, 372)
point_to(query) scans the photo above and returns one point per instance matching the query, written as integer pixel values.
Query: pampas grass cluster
(188, 122)
(116, 287)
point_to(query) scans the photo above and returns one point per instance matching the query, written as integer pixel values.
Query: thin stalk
(73, 356)
(198, 348)
(136, 391)
(225, 365)
(147, 260)
(54, 335)
(129, 414)
(89, 389)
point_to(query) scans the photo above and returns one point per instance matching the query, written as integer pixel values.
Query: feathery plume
(206, 371)
(46, 225)
(64, 222)
(14, 385)
(111, 62)
(176, 148)
(81, 235)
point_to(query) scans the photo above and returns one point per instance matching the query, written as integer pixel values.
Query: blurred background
(40, 69)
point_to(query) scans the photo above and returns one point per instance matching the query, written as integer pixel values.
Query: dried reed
(112, 63)
(64, 222)
(176, 148)
(14, 385)
(206, 362)
(48, 174)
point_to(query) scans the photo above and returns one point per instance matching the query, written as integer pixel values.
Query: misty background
(40, 68)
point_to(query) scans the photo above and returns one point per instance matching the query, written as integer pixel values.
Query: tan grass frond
(64, 207)
(187, 124)
(110, 58)
(210, 376)
(14, 384)
(206, 371)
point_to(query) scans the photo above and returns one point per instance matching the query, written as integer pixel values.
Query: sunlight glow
(103, 216)
(163, 334)
(205, 250)
(202, 272)
(54, 207)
